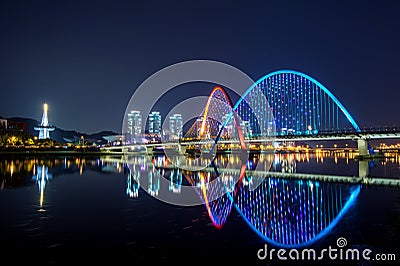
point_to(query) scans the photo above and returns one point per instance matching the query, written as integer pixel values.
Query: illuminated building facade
(175, 126)
(134, 125)
(155, 123)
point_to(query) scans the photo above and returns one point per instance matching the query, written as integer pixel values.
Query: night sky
(86, 58)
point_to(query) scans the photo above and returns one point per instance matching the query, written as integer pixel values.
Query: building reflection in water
(133, 182)
(154, 182)
(141, 167)
(26, 171)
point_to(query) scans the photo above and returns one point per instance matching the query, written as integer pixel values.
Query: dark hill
(63, 135)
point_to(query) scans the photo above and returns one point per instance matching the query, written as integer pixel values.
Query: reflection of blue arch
(324, 232)
(342, 108)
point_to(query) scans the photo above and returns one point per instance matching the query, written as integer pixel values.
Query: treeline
(16, 138)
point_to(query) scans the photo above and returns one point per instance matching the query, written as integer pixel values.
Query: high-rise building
(176, 126)
(246, 128)
(3, 123)
(155, 123)
(134, 125)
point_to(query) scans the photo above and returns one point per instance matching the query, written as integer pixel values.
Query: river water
(64, 210)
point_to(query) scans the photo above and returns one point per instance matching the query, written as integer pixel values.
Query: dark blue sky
(85, 58)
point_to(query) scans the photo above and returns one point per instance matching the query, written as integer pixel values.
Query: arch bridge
(284, 105)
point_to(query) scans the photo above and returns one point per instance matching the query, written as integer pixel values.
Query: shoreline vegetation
(15, 142)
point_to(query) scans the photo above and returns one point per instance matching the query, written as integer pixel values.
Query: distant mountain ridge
(63, 135)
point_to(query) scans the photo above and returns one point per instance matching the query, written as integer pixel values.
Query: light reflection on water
(283, 212)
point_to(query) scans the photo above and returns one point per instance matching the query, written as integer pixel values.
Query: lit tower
(44, 128)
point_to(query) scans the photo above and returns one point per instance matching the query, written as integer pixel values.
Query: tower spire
(44, 128)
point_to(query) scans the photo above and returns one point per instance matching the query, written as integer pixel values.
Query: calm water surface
(85, 209)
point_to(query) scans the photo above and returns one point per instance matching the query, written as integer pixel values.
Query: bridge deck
(376, 181)
(310, 137)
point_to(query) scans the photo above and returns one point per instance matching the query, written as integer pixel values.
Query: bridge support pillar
(182, 149)
(363, 168)
(362, 147)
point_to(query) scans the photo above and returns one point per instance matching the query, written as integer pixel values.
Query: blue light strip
(320, 235)
(346, 113)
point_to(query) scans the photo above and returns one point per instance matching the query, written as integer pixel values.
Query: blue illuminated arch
(336, 101)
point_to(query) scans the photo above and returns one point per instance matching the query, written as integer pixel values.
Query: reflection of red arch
(207, 202)
(203, 124)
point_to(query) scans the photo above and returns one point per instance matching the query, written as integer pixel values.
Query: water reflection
(41, 177)
(219, 209)
(285, 211)
(20, 171)
(133, 185)
(280, 207)
(294, 213)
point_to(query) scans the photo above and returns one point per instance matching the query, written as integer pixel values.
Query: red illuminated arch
(203, 125)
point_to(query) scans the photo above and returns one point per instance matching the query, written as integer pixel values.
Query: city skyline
(86, 59)
(154, 126)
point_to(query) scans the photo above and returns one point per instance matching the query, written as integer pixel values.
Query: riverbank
(55, 151)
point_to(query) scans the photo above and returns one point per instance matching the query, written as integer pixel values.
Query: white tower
(44, 128)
